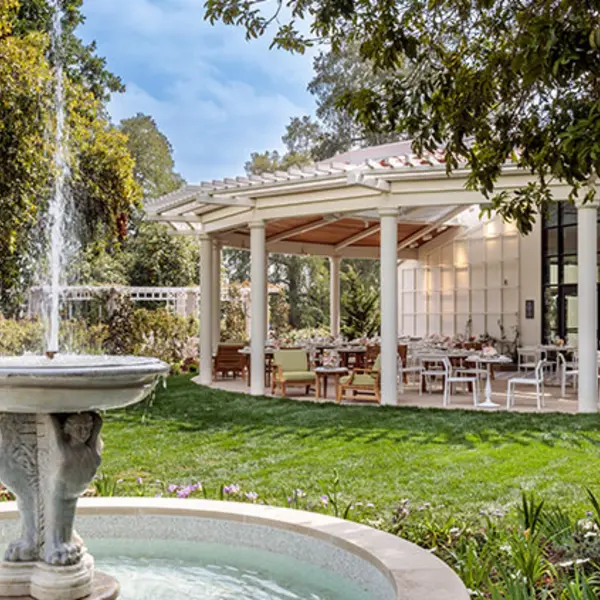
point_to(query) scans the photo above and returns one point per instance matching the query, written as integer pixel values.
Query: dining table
(489, 361)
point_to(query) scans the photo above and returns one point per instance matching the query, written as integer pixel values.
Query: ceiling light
(427, 237)
(442, 228)
(414, 245)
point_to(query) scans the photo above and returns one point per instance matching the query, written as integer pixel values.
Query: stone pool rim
(413, 572)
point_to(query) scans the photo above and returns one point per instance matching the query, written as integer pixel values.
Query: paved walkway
(525, 397)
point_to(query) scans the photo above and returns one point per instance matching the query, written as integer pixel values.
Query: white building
(441, 266)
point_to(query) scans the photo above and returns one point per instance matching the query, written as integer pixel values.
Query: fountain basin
(75, 383)
(378, 566)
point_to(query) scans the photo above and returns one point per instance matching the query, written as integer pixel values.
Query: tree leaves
(482, 80)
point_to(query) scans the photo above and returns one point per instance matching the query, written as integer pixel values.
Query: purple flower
(252, 496)
(324, 500)
(231, 489)
(139, 481)
(184, 492)
(159, 495)
(172, 488)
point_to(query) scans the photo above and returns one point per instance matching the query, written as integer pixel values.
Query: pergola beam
(363, 179)
(279, 237)
(193, 195)
(357, 237)
(411, 239)
(174, 218)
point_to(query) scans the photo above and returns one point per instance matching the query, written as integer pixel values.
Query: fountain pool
(207, 550)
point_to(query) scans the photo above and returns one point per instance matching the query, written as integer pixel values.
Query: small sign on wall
(529, 309)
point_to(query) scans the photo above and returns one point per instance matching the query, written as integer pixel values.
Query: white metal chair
(432, 367)
(451, 379)
(528, 358)
(567, 369)
(537, 380)
(415, 369)
(478, 371)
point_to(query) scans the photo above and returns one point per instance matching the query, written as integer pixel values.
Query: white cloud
(216, 96)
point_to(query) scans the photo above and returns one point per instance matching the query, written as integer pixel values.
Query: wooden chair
(291, 367)
(364, 384)
(371, 355)
(229, 361)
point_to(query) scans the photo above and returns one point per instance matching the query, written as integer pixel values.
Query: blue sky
(215, 96)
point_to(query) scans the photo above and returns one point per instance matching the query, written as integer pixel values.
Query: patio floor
(525, 400)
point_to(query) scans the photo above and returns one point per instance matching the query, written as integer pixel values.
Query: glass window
(570, 269)
(570, 240)
(569, 214)
(553, 270)
(552, 215)
(552, 242)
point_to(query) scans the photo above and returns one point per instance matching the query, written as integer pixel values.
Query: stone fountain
(50, 423)
(49, 452)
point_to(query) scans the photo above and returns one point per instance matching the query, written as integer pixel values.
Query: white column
(257, 276)
(587, 247)
(216, 305)
(206, 300)
(389, 305)
(334, 295)
(266, 295)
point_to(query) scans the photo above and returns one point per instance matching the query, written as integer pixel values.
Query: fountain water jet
(57, 207)
(50, 427)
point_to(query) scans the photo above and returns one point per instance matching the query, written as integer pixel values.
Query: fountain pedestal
(48, 461)
(50, 450)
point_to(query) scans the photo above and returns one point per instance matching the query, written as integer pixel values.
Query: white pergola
(391, 208)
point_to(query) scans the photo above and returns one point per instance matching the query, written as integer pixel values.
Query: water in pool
(170, 570)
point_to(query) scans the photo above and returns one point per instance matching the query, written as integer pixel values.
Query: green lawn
(461, 460)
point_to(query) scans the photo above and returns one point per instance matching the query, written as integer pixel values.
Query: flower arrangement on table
(489, 351)
(559, 342)
(331, 359)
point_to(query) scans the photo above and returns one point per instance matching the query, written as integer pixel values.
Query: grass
(461, 460)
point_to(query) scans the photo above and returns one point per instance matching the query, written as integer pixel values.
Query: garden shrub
(165, 335)
(158, 333)
(27, 336)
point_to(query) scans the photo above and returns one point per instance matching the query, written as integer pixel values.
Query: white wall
(476, 276)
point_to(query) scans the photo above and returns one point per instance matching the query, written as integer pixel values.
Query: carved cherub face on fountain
(79, 427)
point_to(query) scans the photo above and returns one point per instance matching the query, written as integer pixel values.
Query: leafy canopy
(484, 80)
(81, 61)
(103, 189)
(153, 156)
(360, 306)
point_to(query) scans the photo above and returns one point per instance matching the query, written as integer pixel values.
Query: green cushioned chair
(363, 384)
(291, 367)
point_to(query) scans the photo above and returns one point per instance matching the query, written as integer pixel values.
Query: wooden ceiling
(334, 232)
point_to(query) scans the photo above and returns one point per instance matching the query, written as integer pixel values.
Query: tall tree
(104, 190)
(160, 259)
(81, 61)
(152, 255)
(267, 162)
(153, 155)
(361, 316)
(340, 71)
(25, 109)
(487, 80)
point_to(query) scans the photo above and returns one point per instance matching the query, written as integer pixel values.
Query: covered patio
(392, 209)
